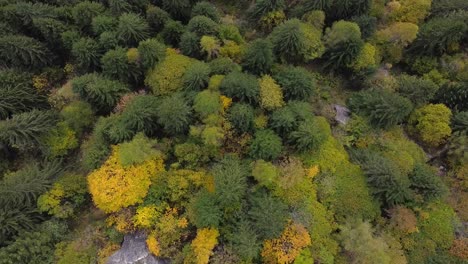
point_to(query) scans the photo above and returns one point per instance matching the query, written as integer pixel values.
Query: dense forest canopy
(225, 132)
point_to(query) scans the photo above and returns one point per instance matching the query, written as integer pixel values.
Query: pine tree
(174, 114)
(86, 54)
(151, 52)
(132, 29)
(22, 51)
(259, 58)
(19, 98)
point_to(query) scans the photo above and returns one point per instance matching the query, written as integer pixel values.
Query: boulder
(133, 251)
(342, 114)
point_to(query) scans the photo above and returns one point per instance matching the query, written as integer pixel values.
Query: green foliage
(151, 52)
(204, 211)
(425, 181)
(172, 32)
(115, 64)
(190, 44)
(34, 246)
(103, 23)
(108, 40)
(101, 93)
(342, 31)
(25, 130)
(460, 122)
(60, 140)
(265, 173)
(84, 12)
(174, 114)
(286, 119)
(230, 183)
(384, 109)
(297, 83)
(367, 24)
(258, 58)
(310, 134)
(202, 26)
(388, 183)
(86, 54)
(263, 7)
(15, 220)
(132, 29)
(431, 123)
(223, 66)
(206, 9)
(137, 151)
(207, 102)
(242, 117)
(78, 115)
(266, 145)
(418, 90)
(439, 35)
(455, 96)
(179, 9)
(231, 32)
(22, 51)
(190, 155)
(18, 97)
(196, 76)
(96, 149)
(166, 77)
(244, 241)
(241, 86)
(268, 214)
(294, 41)
(156, 18)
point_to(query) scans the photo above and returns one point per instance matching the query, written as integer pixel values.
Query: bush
(271, 95)
(132, 29)
(241, 86)
(202, 26)
(174, 114)
(266, 145)
(384, 109)
(431, 123)
(419, 91)
(151, 52)
(297, 83)
(206, 9)
(196, 76)
(258, 58)
(242, 117)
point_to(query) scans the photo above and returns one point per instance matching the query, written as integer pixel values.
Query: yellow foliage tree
(271, 95)
(288, 246)
(204, 243)
(366, 58)
(413, 11)
(114, 186)
(431, 123)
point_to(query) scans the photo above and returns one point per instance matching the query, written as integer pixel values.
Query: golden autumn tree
(288, 246)
(114, 186)
(203, 244)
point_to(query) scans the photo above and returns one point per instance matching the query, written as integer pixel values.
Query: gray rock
(342, 114)
(134, 251)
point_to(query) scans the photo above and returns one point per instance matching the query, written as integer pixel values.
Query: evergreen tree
(454, 95)
(297, 83)
(207, 9)
(309, 135)
(196, 76)
(132, 29)
(104, 23)
(202, 26)
(263, 7)
(19, 98)
(190, 45)
(84, 12)
(86, 54)
(269, 215)
(22, 51)
(266, 145)
(151, 52)
(241, 86)
(172, 32)
(174, 114)
(258, 58)
(242, 117)
(115, 64)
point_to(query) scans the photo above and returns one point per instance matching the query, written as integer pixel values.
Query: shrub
(132, 29)
(383, 108)
(419, 91)
(271, 95)
(258, 58)
(431, 123)
(297, 83)
(151, 52)
(266, 145)
(242, 117)
(196, 76)
(241, 86)
(202, 26)
(174, 114)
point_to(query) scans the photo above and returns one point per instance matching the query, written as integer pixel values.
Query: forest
(234, 131)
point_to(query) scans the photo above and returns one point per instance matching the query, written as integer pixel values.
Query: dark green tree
(418, 90)
(151, 52)
(297, 83)
(103, 23)
(84, 12)
(289, 41)
(342, 54)
(426, 182)
(156, 18)
(242, 117)
(259, 58)
(22, 51)
(25, 130)
(263, 7)
(86, 54)
(367, 24)
(308, 136)
(102, 93)
(230, 182)
(460, 122)
(268, 214)
(223, 66)
(179, 9)
(384, 109)
(240, 86)
(454, 95)
(207, 9)
(172, 32)
(190, 45)
(115, 65)
(132, 29)
(108, 40)
(266, 145)
(244, 240)
(174, 114)
(204, 210)
(196, 76)
(202, 26)
(19, 98)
